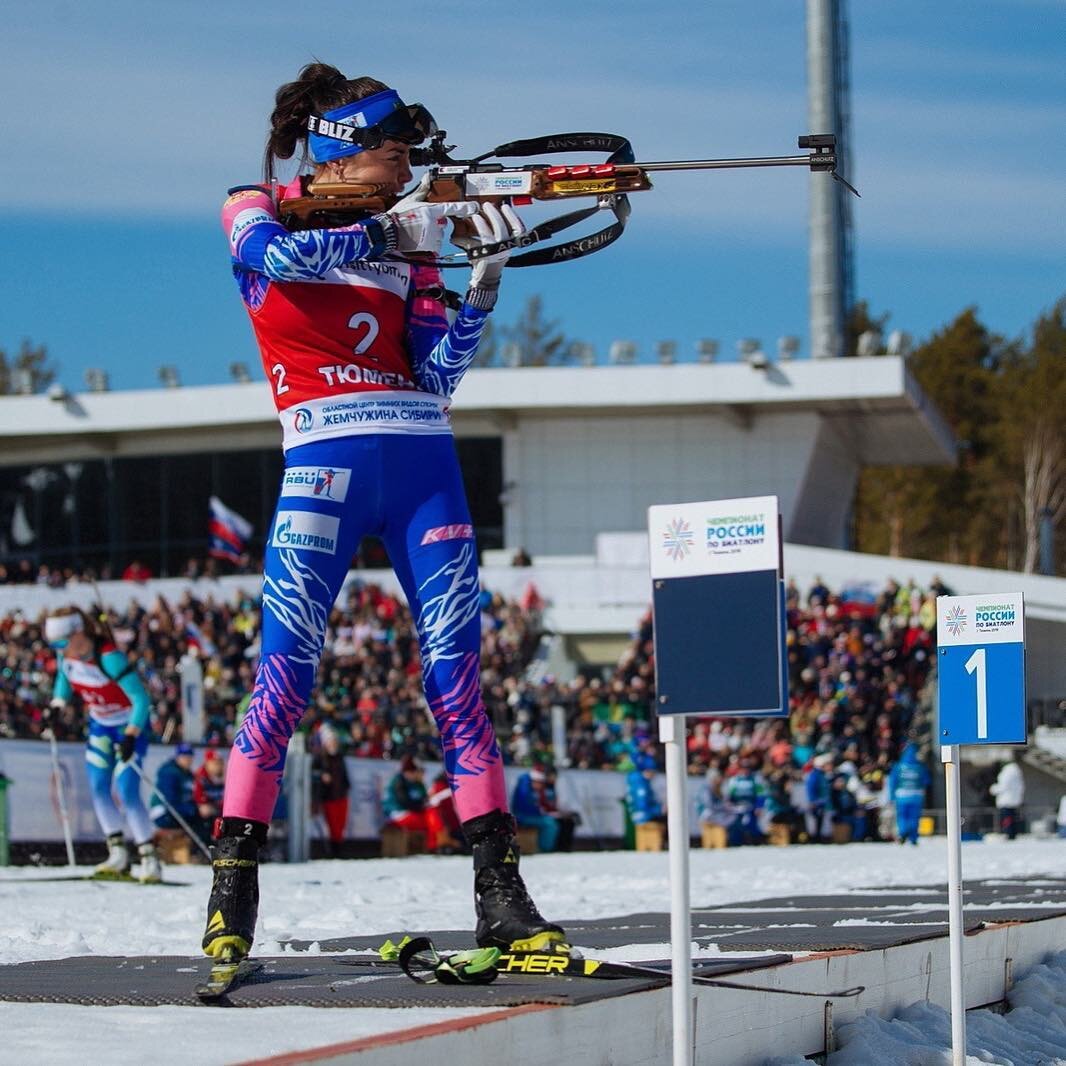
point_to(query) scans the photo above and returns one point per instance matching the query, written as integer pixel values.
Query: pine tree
(953, 513)
(534, 340)
(1034, 430)
(27, 372)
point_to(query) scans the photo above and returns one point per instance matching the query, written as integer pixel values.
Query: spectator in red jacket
(208, 784)
(330, 786)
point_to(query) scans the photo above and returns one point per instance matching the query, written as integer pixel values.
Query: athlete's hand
(491, 225)
(418, 226)
(126, 748)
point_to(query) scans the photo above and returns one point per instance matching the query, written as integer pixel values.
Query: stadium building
(551, 456)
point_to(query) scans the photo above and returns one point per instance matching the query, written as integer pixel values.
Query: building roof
(888, 417)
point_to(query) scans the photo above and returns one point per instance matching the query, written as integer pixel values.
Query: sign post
(981, 694)
(718, 604)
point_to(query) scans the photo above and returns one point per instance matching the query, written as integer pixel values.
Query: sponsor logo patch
(302, 420)
(317, 482)
(440, 533)
(307, 531)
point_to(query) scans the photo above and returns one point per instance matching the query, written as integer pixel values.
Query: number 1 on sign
(977, 662)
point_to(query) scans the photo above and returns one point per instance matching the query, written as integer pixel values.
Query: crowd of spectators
(369, 685)
(858, 671)
(24, 572)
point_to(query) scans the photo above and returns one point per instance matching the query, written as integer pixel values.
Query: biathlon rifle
(326, 204)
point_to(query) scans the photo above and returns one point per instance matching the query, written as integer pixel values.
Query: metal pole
(950, 757)
(672, 735)
(297, 785)
(826, 298)
(61, 798)
(5, 853)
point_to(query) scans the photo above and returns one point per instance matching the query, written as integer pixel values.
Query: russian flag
(196, 638)
(229, 532)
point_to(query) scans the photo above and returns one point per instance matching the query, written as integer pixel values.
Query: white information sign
(721, 537)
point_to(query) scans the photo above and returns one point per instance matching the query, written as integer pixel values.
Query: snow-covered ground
(1032, 1033)
(326, 899)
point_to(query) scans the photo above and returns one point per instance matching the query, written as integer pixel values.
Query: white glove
(418, 226)
(492, 224)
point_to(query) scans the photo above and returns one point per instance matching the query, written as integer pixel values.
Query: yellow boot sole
(228, 947)
(546, 941)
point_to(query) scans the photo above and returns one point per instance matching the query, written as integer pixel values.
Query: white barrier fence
(34, 808)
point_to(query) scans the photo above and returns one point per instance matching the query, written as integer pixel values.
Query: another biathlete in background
(90, 664)
(362, 362)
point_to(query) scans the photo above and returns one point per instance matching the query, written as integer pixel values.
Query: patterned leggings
(407, 489)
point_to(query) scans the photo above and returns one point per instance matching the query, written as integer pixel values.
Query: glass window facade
(107, 513)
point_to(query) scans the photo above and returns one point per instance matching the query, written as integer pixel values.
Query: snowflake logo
(678, 538)
(956, 620)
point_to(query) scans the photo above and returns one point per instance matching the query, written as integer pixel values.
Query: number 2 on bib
(278, 369)
(363, 320)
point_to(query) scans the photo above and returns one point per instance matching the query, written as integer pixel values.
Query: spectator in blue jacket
(174, 782)
(528, 809)
(816, 785)
(746, 793)
(644, 805)
(907, 783)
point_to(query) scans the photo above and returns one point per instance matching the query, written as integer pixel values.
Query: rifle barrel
(729, 164)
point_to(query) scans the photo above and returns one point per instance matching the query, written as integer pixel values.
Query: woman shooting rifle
(363, 363)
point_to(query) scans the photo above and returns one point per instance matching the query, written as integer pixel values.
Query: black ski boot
(234, 902)
(506, 916)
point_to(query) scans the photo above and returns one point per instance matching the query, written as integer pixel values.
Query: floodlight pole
(949, 755)
(672, 735)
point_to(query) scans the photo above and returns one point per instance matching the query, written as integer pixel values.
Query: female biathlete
(90, 665)
(362, 362)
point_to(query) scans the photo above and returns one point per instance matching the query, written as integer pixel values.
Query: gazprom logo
(303, 420)
(307, 531)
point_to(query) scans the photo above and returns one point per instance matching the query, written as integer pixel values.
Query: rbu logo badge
(317, 482)
(306, 530)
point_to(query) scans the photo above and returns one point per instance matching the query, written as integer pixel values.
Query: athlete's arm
(440, 355)
(259, 243)
(113, 663)
(61, 690)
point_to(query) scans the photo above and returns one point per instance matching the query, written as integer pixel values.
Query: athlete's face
(388, 165)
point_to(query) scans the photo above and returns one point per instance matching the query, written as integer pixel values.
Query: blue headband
(360, 114)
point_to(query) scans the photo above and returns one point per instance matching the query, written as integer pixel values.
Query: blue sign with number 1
(982, 694)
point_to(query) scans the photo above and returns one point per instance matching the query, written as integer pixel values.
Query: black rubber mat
(313, 981)
(864, 920)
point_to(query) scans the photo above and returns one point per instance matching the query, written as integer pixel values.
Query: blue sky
(126, 121)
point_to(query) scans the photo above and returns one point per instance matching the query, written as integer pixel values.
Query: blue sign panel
(981, 669)
(982, 694)
(719, 646)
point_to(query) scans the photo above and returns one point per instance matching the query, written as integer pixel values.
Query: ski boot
(151, 869)
(117, 864)
(506, 916)
(234, 902)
